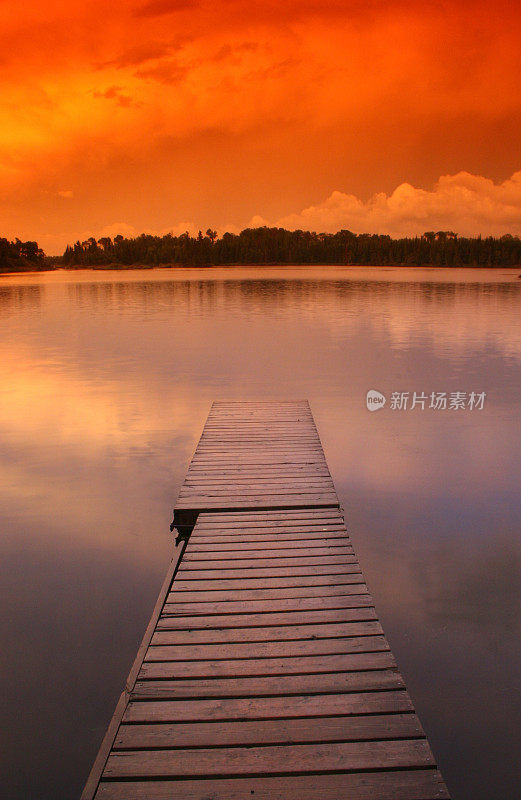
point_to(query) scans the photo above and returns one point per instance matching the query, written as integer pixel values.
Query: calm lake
(106, 381)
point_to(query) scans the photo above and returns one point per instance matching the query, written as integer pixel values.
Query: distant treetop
(20, 256)
(279, 246)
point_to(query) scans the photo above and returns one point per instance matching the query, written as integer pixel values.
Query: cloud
(157, 8)
(228, 50)
(115, 229)
(115, 93)
(180, 228)
(130, 231)
(66, 193)
(169, 109)
(166, 72)
(140, 54)
(468, 204)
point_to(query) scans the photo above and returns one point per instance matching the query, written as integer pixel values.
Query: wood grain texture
(269, 760)
(425, 784)
(302, 665)
(184, 595)
(283, 582)
(278, 731)
(291, 571)
(386, 702)
(296, 617)
(271, 633)
(286, 685)
(256, 606)
(291, 649)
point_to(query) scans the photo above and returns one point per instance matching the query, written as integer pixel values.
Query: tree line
(259, 246)
(20, 256)
(279, 246)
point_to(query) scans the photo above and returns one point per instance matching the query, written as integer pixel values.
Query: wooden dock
(256, 456)
(264, 672)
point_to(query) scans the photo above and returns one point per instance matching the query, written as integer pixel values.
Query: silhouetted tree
(20, 256)
(279, 246)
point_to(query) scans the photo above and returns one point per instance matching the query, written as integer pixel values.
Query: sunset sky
(386, 116)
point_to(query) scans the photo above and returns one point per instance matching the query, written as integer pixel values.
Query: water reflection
(16, 298)
(106, 382)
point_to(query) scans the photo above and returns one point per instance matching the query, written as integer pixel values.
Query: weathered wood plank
(254, 573)
(321, 529)
(201, 561)
(310, 542)
(266, 583)
(424, 784)
(302, 665)
(243, 561)
(281, 547)
(266, 594)
(287, 685)
(333, 756)
(180, 622)
(273, 633)
(204, 652)
(278, 731)
(266, 550)
(269, 516)
(222, 504)
(392, 702)
(295, 604)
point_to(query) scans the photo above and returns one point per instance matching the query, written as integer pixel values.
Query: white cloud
(178, 229)
(468, 204)
(130, 231)
(115, 229)
(66, 193)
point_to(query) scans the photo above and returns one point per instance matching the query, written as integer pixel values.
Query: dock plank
(297, 604)
(397, 785)
(250, 667)
(287, 707)
(176, 595)
(180, 622)
(272, 633)
(291, 649)
(285, 582)
(279, 731)
(287, 685)
(236, 569)
(245, 560)
(269, 760)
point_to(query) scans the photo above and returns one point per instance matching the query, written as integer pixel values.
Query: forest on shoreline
(18, 256)
(268, 246)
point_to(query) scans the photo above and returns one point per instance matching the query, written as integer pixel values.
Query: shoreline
(181, 267)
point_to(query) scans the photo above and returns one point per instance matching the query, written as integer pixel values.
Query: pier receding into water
(264, 672)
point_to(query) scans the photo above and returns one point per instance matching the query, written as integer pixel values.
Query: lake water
(106, 381)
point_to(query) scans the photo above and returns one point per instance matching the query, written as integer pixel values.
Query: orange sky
(174, 114)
